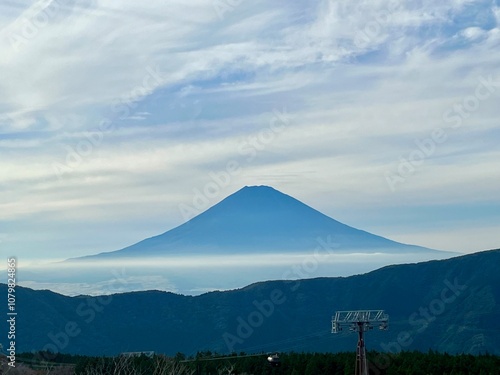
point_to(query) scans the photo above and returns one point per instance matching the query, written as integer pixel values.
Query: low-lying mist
(196, 274)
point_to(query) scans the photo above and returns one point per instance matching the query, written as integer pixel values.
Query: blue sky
(114, 114)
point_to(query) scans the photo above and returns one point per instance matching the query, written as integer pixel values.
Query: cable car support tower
(360, 321)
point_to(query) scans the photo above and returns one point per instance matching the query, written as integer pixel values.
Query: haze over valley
(255, 234)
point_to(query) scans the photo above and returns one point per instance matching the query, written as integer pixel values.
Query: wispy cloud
(185, 89)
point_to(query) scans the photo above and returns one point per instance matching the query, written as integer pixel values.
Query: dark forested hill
(447, 305)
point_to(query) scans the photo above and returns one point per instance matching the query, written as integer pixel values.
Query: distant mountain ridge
(448, 305)
(259, 219)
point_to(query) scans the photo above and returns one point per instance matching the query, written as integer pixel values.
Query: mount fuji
(260, 220)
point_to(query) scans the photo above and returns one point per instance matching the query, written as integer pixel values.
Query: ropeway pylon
(360, 321)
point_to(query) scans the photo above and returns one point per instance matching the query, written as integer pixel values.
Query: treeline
(205, 363)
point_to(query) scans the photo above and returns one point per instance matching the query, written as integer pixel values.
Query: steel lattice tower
(360, 321)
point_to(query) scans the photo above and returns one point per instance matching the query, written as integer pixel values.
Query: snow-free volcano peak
(260, 219)
(256, 203)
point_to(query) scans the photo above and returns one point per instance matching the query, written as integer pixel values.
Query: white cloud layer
(113, 112)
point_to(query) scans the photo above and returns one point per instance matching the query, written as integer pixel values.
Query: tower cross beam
(360, 321)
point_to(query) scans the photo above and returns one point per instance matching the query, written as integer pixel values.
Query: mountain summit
(260, 219)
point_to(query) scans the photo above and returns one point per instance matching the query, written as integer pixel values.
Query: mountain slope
(259, 219)
(449, 305)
